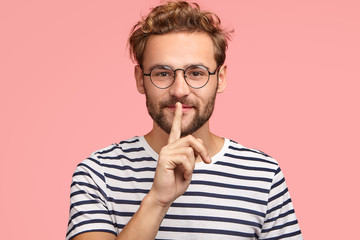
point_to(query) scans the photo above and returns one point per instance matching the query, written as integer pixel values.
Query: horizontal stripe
(282, 180)
(122, 214)
(213, 219)
(229, 175)
(245, 167)
(126, 167)
(74, 183)
(105, 212)
(90, 222)
(121, 201)
(125, 150)
(286, 235)
(248, 150)
(207, 231)
(196, 171)
(73, 194)
(118, 157)
(128, 179)
(194, 182)
(230, 186)
(279, 206)
(278, 195)
(287, 224)
(127, 190)
(96, 188)
(81, 174)
(280, 216)
(88, 212)
(203, 230)
(249, 158)
(86, 202)
(94, 160)
(93, 171)
(214, 195)
(129, 141)
(191, 205)
(217, 207)
(93, 230)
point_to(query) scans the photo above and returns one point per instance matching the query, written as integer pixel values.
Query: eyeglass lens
(164, 76)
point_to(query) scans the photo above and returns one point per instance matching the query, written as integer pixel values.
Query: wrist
(159, 208)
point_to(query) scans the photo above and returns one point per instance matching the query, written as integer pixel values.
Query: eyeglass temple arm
(213, 73)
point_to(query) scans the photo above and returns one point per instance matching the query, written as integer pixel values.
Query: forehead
(178, 49)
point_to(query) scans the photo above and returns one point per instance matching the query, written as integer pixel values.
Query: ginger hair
(177, 16)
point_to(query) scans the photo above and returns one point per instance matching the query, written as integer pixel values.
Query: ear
(139, 77)
(222, 79)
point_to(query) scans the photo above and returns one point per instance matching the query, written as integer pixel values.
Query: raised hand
(173, 173)
(176, 163)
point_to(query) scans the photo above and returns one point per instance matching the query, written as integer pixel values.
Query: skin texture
(202, 100)
(200, 118)
(178, 154)
(180, 50)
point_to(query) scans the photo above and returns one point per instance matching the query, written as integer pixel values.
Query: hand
(176, 163)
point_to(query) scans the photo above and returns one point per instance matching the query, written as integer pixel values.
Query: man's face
(180, 50)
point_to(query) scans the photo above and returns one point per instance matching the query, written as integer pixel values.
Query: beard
(200, 118)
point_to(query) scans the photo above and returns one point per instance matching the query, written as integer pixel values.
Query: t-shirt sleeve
(88, 200)
(281, 221)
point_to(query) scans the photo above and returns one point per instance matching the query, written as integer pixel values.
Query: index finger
(175, 132)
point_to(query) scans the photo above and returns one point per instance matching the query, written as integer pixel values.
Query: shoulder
(114, 151)
(125, 146)
(237, 146)
(250, 156)
(130, 153)
(123, 149)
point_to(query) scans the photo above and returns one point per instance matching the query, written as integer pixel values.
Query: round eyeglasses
(196, 76)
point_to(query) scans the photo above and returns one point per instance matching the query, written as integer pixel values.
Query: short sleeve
(281, 221)
(88, 200)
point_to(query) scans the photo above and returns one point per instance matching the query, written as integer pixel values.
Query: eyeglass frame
(184, 70)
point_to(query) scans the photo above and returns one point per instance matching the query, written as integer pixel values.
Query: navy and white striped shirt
(242, 194)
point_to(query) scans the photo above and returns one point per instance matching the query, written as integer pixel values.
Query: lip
(185, 108)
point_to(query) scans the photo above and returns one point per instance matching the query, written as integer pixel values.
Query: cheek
(153, 96)
(205, 94)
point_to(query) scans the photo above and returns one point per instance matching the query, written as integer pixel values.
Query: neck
(158, 138)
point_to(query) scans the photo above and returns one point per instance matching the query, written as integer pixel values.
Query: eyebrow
(184, 67)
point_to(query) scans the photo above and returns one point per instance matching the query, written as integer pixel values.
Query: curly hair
(175, 17)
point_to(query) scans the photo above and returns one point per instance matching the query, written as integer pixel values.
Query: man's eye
(196, 73)
(163, 74)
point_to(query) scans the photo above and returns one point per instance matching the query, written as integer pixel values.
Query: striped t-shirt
(242, 194)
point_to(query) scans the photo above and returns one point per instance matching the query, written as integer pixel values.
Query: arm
(280, 219)
(143, 225)
(172, 177)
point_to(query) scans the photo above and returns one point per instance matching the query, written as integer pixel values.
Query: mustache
(173, 101)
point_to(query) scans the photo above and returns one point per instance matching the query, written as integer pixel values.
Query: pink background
(67, 89)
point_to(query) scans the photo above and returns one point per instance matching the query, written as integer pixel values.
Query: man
(180, 181)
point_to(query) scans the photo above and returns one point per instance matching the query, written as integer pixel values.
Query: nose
(179, 88)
